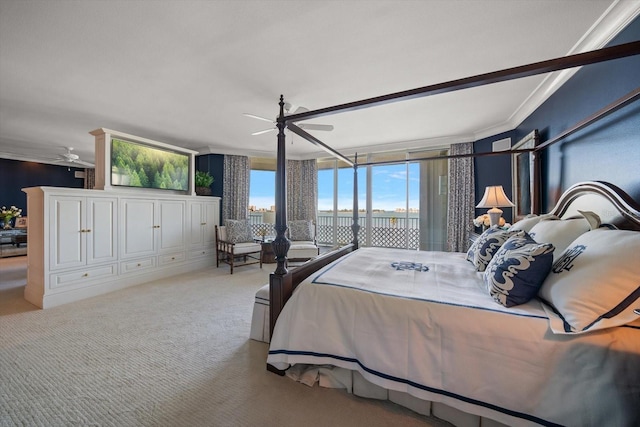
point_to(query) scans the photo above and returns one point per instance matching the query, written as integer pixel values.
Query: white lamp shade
(494, 197)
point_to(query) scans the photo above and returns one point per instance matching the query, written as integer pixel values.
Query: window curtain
(235, 191)
(302, 189)
(89, 179)
(461, 202)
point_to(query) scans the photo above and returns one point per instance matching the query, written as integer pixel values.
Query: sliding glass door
(401, 205)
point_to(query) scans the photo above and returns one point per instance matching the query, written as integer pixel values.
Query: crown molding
(617, 16)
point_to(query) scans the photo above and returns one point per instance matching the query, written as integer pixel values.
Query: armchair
(231, 251)
(302, 234)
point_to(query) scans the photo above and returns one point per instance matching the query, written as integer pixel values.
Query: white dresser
(84, 243)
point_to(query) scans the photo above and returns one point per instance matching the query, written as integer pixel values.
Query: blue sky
(389, 184)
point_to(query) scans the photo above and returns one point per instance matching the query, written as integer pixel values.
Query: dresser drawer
(142, 264)
(171, 258)
(60, 280)
(202, 253)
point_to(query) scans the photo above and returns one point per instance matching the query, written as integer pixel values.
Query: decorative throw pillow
(238, 231)
(516, 272)
(485, 246)
(301, 230)
(529, 221)
(595, 284)
(559, 232)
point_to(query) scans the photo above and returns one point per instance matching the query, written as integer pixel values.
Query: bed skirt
(260, 318)
(353, 382)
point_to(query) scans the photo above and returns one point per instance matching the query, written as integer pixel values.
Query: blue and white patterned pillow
(516, 272)
(301, 230)
(485, 246)
(595, 283)
(238, 231)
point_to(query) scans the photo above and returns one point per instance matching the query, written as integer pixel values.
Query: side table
(268, 257)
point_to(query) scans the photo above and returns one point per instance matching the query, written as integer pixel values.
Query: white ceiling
(184, 72)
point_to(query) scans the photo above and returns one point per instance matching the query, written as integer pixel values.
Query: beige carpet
(174, 352)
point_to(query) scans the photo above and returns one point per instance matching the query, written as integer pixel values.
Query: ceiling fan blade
(253, 116)
(82, 162)
(311, 126)
(263, 131)
(300, 110)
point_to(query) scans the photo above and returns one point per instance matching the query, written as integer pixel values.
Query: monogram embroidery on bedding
(405, 265)
(565, 262)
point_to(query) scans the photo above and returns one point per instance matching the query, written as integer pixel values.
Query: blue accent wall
(214, 164)
(608, 150)
(493, 170)
(16, 175)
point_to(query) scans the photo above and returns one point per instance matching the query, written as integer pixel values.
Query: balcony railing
(386, 230)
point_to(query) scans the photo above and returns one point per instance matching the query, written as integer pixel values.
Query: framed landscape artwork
(525, 176)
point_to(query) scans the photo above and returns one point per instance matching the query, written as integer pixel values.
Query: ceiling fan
(70, 157)
(287, 108)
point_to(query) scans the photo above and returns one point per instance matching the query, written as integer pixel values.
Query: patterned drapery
(89, 178)
(461, 201)
(302, 189)
(235, 192)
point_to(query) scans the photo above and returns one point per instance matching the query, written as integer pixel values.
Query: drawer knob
(85, 275)
(139, 265)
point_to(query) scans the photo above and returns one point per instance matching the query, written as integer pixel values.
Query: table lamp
(494, 198)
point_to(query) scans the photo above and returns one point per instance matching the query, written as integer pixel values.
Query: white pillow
(529, 221)
(559, 232)
(595, 284)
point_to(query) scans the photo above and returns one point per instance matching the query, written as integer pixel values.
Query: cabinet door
(137, 228)
(66, 232)
(101, 228)
(196, 224)
(211, 219)
(172, 222)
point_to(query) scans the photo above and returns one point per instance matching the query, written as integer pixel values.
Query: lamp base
(494, 216)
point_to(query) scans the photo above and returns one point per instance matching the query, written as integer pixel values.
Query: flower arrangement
(484, 222)
(8, 214)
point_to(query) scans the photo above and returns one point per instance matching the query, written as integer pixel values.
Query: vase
(203, 191)
(7, 224)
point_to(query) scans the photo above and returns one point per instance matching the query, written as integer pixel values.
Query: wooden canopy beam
(548, 66)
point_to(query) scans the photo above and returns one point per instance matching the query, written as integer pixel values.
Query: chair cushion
(238, 231)
(299, 251)
(245, 248)
(300, 230)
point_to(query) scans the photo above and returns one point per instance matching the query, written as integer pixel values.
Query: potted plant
(203, 181)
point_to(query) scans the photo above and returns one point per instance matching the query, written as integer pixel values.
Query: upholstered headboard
(612, 204)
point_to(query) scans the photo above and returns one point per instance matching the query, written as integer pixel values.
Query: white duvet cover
(422, 323)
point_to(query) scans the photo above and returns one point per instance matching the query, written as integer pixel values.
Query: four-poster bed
(613, 206)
